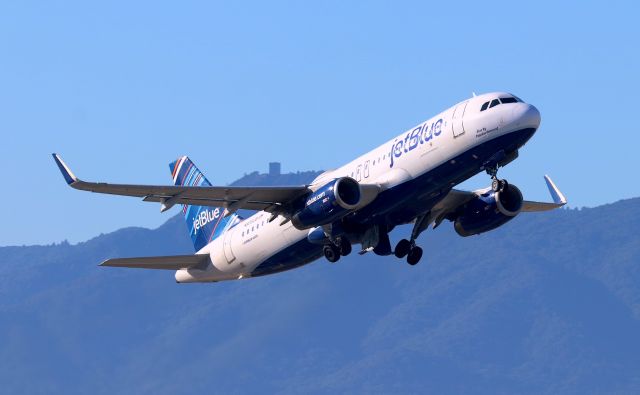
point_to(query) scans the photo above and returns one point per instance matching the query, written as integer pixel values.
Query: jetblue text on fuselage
(419, 135)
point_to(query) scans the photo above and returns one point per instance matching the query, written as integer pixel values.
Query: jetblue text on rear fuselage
(204, 218)
(419, 135)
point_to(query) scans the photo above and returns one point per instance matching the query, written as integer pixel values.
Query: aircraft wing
(456, 198)
(175, 262)
(271, 199)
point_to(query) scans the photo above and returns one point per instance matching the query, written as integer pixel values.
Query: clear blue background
(121, 89)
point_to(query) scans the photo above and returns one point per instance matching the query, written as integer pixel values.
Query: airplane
(408, 179)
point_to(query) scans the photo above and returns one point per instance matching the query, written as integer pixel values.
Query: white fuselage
(412, 154)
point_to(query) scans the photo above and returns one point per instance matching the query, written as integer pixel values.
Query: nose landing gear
(497, 185)
(491, 167)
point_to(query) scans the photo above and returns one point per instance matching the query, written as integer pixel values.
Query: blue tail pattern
(204, 223)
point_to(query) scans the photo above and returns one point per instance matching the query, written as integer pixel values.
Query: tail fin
(204, 223)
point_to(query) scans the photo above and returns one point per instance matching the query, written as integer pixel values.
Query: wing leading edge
(271, 199)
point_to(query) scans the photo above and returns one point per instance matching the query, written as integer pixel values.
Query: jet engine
(329, 203)
(488, 211)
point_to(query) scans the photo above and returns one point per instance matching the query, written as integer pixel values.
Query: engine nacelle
(489, 211)
(317, 236)
(329, 203)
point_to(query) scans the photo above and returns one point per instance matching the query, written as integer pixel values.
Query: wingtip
(558, 197)
(69, 177)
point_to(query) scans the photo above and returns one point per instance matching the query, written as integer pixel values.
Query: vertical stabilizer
(204, 223)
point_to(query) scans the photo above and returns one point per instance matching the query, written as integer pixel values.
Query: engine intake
(489, 211)
(347, 193)
(509, 201)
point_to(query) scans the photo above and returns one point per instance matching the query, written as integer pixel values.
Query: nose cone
(526, 116)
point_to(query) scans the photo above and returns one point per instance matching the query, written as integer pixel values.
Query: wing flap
(530, 207)
(175, 262)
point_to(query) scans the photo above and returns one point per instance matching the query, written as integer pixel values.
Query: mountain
(547, 304)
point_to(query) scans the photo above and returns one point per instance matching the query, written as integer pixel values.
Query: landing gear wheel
(345, 247)
(331, 252)
(495, 185)
(504, 185)
(414, 256)
(499, 185)
(403, 248)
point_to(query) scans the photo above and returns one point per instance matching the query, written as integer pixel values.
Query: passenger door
(226, 242)
(457, 126)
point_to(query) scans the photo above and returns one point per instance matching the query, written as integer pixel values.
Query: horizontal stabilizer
(175, 262)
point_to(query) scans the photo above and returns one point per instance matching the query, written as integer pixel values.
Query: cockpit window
(502, 100)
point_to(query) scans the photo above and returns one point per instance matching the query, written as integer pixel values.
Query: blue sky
(122, 88)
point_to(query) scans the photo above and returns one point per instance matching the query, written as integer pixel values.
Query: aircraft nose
(527, 116)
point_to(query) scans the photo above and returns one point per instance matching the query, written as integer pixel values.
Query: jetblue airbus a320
(408, 179)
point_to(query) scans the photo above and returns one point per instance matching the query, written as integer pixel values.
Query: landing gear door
(457, 125)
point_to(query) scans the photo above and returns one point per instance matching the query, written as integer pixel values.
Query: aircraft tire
(414, 256)
(332, 253)
(495, 185)
(345, 247)
(499, 185)
(504, 185)
(402, 248)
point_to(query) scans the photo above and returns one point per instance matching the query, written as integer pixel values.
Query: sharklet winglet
(557, 196)
(68, 175)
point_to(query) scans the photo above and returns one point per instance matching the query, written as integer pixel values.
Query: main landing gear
(341, 246)
(408, 248)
